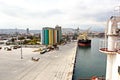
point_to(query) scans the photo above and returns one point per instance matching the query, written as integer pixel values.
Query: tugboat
(83, 40)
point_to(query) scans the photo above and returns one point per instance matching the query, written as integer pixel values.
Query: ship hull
(84, 43)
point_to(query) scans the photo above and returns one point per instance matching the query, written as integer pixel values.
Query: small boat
(83, 40)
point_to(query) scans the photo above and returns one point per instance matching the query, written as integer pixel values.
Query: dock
(53, 65)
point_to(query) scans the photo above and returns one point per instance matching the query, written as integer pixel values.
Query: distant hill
(98, 29)
(11, 31)
(67, 30)
(64, 30)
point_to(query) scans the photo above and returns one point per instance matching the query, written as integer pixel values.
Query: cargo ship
(83, 40)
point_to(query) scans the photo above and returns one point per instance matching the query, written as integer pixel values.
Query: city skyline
(35, 14)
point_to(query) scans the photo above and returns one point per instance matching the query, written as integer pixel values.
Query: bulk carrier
(83, 40)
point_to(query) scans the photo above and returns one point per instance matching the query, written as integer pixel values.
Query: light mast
(112, 48)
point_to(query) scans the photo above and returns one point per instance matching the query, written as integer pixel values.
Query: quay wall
(73, 62)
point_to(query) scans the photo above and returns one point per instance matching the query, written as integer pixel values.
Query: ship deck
(105, 50)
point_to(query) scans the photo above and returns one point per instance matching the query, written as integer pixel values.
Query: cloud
(46, 14)
(52, 12)
(93, 11)
(12, 11)
(19, 12)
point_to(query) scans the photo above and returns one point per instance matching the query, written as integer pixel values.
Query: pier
(53, 65)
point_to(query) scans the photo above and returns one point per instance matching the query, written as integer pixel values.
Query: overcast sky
(35, 14)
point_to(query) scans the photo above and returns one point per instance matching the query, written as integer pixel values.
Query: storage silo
(46, 36)
(59, 33)
(55, 36)
(42, 36)
(50, 36)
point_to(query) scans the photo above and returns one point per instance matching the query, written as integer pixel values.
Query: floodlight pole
(21, 49)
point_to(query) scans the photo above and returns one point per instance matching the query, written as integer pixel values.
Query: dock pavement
(53, 65)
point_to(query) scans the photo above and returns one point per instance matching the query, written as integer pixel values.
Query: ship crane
(83, 39)
(112, 48)
(84, 35)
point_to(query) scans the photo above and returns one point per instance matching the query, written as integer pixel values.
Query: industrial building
(50, 36)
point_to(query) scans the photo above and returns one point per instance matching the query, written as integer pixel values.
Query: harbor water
(89, 62)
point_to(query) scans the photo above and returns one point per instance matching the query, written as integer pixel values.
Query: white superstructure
(112, 49)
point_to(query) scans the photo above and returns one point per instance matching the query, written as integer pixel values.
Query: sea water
(89, 61)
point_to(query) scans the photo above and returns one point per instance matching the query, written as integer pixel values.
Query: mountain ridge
(64, 30)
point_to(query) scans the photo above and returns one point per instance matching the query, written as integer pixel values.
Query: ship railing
(118, 46)
(103, 47)
(103, 44)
